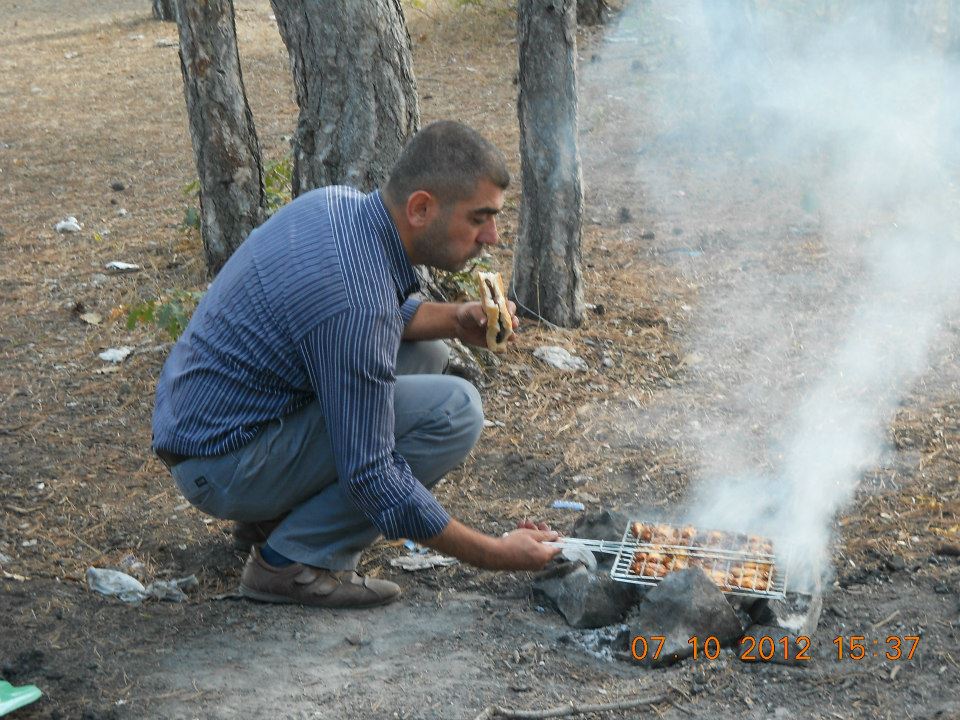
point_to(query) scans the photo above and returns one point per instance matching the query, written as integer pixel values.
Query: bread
(494, 300)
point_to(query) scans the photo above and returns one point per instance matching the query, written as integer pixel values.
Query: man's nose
(489, 234)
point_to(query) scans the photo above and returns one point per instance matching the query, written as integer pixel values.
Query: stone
(797, 613)
(579, 554)
(559, 358)
(68, 225)
(684, 605)
(585, 599)
(117, 186)
(603, 525)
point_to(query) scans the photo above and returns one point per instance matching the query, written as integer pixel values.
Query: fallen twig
(494, 711)
(887, 619)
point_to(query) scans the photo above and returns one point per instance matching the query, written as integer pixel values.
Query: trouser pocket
(202, 481)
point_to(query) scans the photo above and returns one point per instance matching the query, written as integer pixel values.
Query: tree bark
(164, 10)
(355, 86)
(547, 278)
(953, 31)
(591, 12)
(221, 127)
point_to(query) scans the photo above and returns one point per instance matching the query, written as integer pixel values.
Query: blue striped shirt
(311, 306)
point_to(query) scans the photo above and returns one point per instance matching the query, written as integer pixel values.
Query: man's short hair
(447, 159)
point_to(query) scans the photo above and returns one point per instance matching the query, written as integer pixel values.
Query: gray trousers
(289, 466)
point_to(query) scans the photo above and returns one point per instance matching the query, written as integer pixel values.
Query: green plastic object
(12, 698)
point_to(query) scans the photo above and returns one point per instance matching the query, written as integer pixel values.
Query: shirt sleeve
(351, 359)
(409, 308)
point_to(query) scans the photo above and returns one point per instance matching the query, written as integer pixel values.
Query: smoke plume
(809, 150)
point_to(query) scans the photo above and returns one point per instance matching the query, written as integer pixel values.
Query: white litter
(116, 355)
(68, 225)
(92, 318)
(167, 42)
(411, 563)
(559, 358)
(172, 590)
(121, 267)
(114, 583)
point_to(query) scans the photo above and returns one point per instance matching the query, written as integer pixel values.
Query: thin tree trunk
(221, 127)
(354, 82)
(591, 12)
(953, 32)
(547, 278)
(164, 10)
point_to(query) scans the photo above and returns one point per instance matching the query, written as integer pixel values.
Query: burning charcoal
(685, 604)
(585, 599)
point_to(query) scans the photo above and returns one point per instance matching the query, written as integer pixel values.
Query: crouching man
(306, 399)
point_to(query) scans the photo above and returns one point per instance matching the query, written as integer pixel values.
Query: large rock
(585, 599)
(685, 604)
(603, 525)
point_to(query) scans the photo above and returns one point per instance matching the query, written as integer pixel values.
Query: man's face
(461, 230)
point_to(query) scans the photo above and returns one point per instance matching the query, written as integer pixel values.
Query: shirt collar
(404, 276)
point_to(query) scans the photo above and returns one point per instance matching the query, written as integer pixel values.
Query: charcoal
(685, 604)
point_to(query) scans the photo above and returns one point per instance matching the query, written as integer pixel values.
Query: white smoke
(830, 130)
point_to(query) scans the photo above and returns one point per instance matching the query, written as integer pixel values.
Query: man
(305, 398)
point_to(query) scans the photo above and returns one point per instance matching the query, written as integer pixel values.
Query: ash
(599, 642)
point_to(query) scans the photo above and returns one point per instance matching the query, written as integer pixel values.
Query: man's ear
(422, 207)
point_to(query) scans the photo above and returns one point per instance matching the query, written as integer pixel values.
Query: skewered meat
(664, 549)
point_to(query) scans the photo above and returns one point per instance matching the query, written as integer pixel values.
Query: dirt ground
(89, 99)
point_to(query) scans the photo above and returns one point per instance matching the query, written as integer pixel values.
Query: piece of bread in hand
(494, 301)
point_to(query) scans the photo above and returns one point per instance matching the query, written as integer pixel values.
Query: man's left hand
(472, 323)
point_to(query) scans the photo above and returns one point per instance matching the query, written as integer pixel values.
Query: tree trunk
(221, 127)
(953, 32)
(591, 12)
(355, 87)
(164, 10)
(911, 21)
(547, 279)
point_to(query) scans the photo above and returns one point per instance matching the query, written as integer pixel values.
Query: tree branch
(570, 710)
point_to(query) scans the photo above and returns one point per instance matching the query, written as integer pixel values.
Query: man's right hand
(523, 549)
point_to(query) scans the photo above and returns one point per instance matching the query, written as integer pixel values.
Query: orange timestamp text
(752, 649)
(765, 648)
(858, 647)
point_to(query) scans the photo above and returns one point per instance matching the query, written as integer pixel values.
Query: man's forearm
(432, 321)
(522, 549)
(465, 544)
